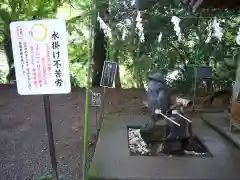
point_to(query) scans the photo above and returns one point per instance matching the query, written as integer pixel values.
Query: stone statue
(158, 97)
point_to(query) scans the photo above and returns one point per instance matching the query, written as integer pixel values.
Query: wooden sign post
(96, 102)
(107, 79)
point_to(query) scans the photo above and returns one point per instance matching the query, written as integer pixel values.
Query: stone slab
(112, 158)
(220, 123)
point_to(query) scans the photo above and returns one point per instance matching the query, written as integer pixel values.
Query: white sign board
(41, 57)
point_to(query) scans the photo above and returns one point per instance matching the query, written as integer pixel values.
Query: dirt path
(23, 139)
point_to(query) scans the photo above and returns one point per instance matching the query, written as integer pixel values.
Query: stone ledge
(222, 127)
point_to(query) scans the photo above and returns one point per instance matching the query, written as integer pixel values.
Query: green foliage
(74, 79)
(15, 10)
(2, 77)
(170, 54)
(138, 59)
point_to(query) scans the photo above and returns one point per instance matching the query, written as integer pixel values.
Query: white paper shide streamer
(238, 37)
(124, 34)
(209, 30)
(213, 30)
(106, 29)
(176, 21)
(160, 37)
(123, 27)
(218, 31)
(139, 27)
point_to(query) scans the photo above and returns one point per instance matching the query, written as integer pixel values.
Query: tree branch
(182, 57)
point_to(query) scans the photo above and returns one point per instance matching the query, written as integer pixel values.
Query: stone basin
(112, 159)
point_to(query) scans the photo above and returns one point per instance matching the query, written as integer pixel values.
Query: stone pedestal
(112, 158)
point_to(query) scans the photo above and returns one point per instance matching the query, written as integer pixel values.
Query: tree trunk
(138, 77)
(99, 55)
(99, 48)
(135, 48)
(182, 56)
(117, 77)
(136, 67)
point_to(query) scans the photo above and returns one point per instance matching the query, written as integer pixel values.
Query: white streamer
(218, 31)
(238, 37)
(209, 29)
(160, 37)
(139, 27)
(176, 21)
(106, 29)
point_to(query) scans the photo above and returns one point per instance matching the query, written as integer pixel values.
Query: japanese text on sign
(57, 59)
(41, 56)
(108, 74)
(96, 99)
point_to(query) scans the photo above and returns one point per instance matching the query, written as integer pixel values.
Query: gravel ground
(136, 143)
(23, 139)
(138, 147)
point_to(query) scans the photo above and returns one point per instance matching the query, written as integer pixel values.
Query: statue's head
(158, 77)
